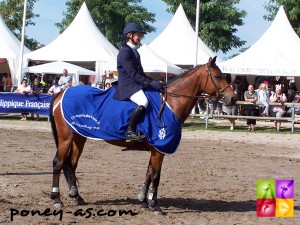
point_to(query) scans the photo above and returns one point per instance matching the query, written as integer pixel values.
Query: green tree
(110, 16)
(12, 14)
(218, 21)
(292, 9)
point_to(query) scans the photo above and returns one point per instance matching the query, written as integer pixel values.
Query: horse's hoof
(144, 206)
(79, 201)
(151, 203)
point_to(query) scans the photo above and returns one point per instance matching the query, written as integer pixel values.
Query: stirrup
(134, 136)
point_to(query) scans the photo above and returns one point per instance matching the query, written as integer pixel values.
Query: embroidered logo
(162, 133)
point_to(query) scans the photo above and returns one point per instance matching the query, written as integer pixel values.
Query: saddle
(94, 114)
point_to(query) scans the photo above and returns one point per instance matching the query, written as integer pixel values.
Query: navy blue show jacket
(131, 78)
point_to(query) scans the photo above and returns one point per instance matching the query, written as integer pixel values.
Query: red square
(265, 207)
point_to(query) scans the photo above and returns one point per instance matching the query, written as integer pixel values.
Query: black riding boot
(137, 114)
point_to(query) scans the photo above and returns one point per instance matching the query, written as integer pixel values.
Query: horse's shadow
(188, 204)
(182, 205)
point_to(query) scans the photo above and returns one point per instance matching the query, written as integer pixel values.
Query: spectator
(231, 110)
(250, 108)
(263, 98)
(54, 88)
(108, 78)
(7, 83)
(65, 80)
(23, 89)
(36, 88)
(278, 111)
(107, 86)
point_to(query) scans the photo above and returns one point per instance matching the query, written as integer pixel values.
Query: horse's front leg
(156, 161)
(70, 166)
(145, 187)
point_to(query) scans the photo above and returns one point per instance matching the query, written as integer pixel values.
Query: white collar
(131, 45)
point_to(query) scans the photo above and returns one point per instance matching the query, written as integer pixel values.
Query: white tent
(10, 49)
(276, 53)
(176, 43)
(58, 67)
(82, 42)
(152, 62)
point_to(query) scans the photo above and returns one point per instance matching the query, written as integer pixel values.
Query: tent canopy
(276, 53)
(152, 62)
(10, 47)
(177, 42)
(81, 41)
(58, 67)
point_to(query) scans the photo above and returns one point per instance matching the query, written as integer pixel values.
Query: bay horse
(180, 95)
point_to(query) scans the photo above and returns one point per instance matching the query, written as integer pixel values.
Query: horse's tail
(52, 120)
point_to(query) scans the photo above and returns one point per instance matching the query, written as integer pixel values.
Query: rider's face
(137, 37)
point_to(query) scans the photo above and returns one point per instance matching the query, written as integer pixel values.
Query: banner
(27, 103)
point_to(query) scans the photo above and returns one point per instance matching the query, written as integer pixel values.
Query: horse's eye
(218, 76)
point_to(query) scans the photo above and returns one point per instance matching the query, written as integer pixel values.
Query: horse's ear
(212, 61)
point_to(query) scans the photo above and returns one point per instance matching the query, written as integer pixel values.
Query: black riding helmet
(134, 28)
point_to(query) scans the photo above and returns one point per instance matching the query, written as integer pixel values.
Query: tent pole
(19, 72)
(196, 40)
(196, 32)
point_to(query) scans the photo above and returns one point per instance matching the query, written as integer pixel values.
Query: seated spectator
(23, 89)
(263, 98)
(295, 108)
(54, 88)
(278, 111)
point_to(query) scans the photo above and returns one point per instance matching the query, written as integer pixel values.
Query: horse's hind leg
(70, 166)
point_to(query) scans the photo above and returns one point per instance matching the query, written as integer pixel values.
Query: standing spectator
(263, 98)
(24, 89)
(278, 111)
(65, 80)
(231, 110)
(7, 83)
(54, 88)
(36, 88)
(250, 108)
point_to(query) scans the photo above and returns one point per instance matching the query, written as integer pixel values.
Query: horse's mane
(182, 76)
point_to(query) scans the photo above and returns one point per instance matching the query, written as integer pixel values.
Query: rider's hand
(159, 86)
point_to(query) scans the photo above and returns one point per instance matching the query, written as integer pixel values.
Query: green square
(265, 189)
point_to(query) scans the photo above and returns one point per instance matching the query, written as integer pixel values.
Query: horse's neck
(183, 96)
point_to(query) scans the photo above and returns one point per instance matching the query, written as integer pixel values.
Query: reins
(165, 94)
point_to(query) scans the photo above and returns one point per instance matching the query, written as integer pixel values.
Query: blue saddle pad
(94, 114)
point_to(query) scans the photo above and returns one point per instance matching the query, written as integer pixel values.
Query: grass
(194, 123)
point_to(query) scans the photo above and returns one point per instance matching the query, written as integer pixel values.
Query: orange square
(284, 207)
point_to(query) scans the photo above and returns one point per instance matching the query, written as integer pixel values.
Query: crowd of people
(256, 103)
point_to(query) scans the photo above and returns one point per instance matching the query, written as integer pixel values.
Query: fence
(291, 119)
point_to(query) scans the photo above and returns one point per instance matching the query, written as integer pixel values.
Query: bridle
(219, 92)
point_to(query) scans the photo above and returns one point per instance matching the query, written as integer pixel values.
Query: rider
(132, 78)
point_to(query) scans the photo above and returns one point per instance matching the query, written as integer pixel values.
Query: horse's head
(214, 83)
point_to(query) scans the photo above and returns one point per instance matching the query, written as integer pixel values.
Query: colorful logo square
(265, 207)
(284, 188)
(284, 207)
(265, 189)
(275, 198)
